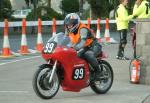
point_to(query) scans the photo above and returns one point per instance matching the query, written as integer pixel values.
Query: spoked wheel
(103, 84)
(41, 86)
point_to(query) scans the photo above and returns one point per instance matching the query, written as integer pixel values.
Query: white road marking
(14, 61)
(14, 91)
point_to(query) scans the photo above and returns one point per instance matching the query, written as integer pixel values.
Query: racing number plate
(49, 48)
(78, 73)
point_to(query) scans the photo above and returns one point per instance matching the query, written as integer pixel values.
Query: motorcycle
(65, 68)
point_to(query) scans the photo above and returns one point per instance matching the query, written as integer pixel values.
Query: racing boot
(120, 52)
(121, 56)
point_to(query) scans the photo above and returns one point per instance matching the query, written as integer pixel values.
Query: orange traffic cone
(54, 26)
(39, 45)
(107, 33)
(98, 33)
(6, 52)
(89, 23)
(24, 48)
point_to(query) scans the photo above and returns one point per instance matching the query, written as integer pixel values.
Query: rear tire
(101, 86)
(42, 88)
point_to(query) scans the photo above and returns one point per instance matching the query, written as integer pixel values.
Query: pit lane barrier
(6, 51)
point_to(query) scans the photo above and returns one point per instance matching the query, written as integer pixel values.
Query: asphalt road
(16, 82)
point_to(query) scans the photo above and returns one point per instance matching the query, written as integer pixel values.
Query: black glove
(134, 17)
(80, 52)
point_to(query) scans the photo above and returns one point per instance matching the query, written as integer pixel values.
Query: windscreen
(60, 39)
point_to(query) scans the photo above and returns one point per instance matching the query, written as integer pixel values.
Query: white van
(21, 13)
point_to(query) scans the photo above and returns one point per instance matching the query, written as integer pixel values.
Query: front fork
(51, 74)
(93, 72)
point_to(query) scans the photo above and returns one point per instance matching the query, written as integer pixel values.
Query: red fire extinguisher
(135, 71)
(135, 64)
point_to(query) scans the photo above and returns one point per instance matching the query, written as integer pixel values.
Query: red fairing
(76, 70)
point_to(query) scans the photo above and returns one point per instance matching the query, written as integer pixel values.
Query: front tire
(101, 86)
(42, 88)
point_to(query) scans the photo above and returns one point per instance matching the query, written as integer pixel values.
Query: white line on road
(19, 60)
(14, 91)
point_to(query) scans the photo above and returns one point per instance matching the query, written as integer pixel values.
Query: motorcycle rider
(83, 40)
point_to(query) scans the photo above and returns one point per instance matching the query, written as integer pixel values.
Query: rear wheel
(103, 84)
(41, 86)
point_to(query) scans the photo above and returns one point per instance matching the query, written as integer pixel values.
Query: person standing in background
(122, 19)
(141, 9)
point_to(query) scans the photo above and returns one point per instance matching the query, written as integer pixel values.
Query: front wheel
(104, 83)
(41, 86)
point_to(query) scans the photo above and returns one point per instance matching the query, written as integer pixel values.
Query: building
(20, 4)
(55, 4)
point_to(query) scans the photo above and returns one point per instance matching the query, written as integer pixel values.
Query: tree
(69, 6)
(81, 8)
(49, 3)
(29, 2)
(100, 8)
(48, 14)
(35, 4)
(5, 9)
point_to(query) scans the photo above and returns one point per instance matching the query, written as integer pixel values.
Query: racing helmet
(72, 22)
